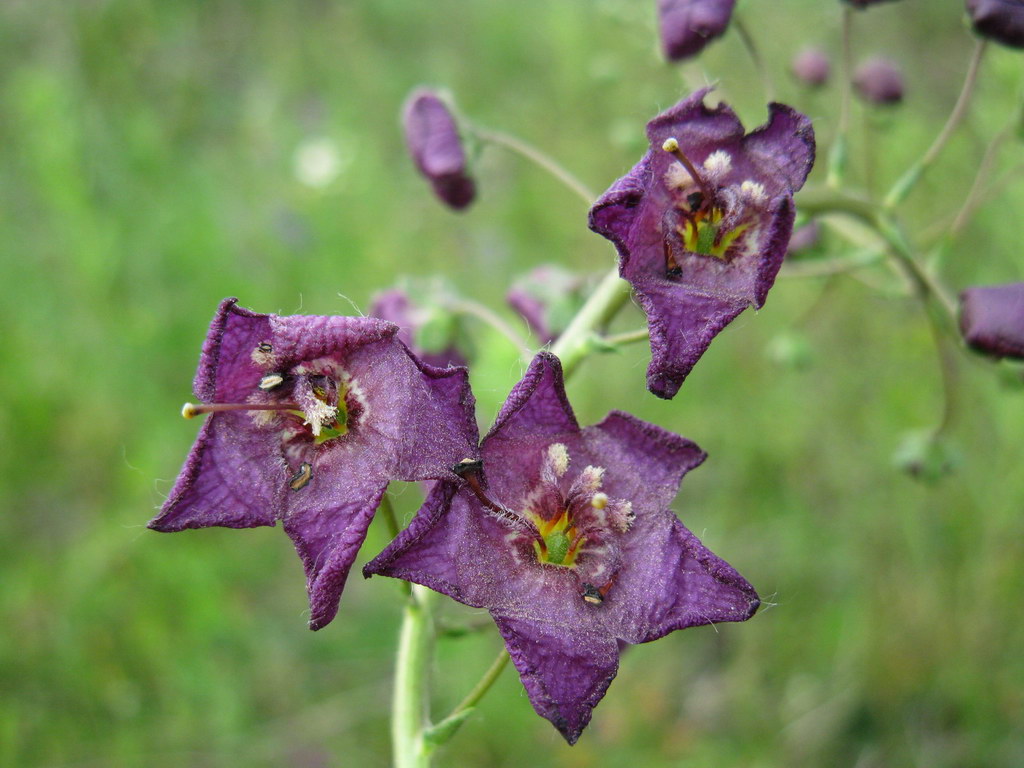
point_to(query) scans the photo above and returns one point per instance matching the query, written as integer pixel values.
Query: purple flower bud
(425, 323)
(1000, 20)
(992, 319)
(879, 81)
(435, 145)
(812, 67)
(804, 238)
(547, 298)
(689, 25)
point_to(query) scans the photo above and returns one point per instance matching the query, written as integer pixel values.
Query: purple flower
(430, 330)
(701, 223)
(992, 319)
(879, 81)
(812, 67)
(435, 145)
(1000, 20)
(547, 298)
(687, 26)
(565, 535)
(311, 417)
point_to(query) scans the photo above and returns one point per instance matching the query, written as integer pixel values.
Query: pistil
(191, 410)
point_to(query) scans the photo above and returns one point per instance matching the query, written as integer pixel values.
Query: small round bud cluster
(879, 81)
(811, 67)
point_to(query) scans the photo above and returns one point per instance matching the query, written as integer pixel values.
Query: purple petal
(327, 520)
(783, 147)
(565, 673)
(537, 408)
(226, 371)
(234, 477)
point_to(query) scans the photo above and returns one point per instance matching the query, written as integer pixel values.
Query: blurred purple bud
(425, 325)
(687, 26)
(547, 298)
(433, 140)
(992, 319)
(811, 67)
(999, 20)
(879, 81)
(804, 238)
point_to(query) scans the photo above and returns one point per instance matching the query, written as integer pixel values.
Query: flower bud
(547, 298)
(879, 81)
(433, 140)
(992, 319)
(689, 25)
(811, 67)
(426, 324)
(999, 20)
(804, 238)
(927, 456)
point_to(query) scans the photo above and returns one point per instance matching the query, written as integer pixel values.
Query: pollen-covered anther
(558, 458)
(678, 178)
(620, 514)
(320, 413)
(590, 480)
(753, 192)
(270, 381)
(718, 164)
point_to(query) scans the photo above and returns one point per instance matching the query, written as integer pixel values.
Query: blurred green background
(156, 157)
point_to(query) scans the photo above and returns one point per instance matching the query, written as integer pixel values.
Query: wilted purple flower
(701, 223)
(879, 81)
(310, 418)
(1000, 20)
(811, 66)
(427, 327)
(436, 147)
(547, 298)
(565, 535)
(992, 319)
(689, 25)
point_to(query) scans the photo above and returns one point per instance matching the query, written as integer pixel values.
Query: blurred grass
(147, 170)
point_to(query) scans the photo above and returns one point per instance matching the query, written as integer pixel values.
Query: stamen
(469, 470)
(191, 410)
(671, 146)
(271, 380)
(592, 594)
(301, 478)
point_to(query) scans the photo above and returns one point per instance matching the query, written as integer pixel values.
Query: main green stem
(577, 342)
(410, 702)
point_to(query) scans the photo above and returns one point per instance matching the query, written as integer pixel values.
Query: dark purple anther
(436, 147)
(999, 20)
(812, 67)
(992, 319)
(309, 420)
(702, 222)
(565, 534)
(879, 81)
(687, 26)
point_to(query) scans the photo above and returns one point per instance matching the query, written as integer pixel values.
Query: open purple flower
(992, 319)
(999, 20)
(701, 223)
(687, 26)
(565, 535)
(436, 147)
(310, 418)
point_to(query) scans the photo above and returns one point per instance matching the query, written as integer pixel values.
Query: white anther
(558, 456)
(753, 191)
(271, 380)
(717, 164)
(678, 178)
(590, 479)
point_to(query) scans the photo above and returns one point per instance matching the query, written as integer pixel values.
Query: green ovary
(700, 238)
(557, 544)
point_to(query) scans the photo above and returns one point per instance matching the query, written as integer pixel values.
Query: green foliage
(155, 157)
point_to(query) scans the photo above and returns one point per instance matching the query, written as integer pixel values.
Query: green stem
(444, 730)
(838, 154)
(479, 311)
(576, 342)
(755, 57)
(909, 180)
(409, 707)
(621, 339)
(537, 157)
(387, 510)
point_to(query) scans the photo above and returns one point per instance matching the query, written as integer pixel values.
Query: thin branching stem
(755, 57)
(538, 158)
